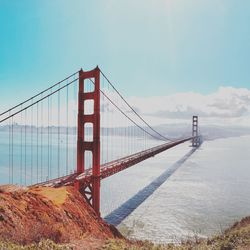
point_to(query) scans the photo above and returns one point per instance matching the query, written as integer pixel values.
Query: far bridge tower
(195, 132)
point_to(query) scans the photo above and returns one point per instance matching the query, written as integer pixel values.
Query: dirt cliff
(60, 214)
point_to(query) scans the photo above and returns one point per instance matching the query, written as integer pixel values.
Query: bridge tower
(195, 134)
(90, 190)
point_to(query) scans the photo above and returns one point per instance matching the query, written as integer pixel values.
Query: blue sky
(147, 48)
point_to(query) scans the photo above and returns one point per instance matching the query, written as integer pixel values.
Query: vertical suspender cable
(50, 135)
(37, 143)
(12, 145)
(48, 141)
(21, 149)
(107, 129)
(25, 148)
(9, 151)
(58, 134)
(67, 131)
(41, 134)
(31, 144)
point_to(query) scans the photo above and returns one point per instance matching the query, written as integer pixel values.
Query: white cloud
(228, 105)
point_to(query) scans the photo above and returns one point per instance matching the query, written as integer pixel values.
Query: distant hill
(172, 131)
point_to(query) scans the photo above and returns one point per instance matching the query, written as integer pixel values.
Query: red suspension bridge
(78, 132)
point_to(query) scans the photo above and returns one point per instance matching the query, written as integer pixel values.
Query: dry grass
(57, 195)
(235, 238)
(43, 245)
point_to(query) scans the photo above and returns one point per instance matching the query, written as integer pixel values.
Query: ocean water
(208, 191)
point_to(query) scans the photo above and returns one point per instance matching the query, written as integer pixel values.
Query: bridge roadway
(112, 167)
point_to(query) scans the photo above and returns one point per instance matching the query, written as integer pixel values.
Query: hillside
(61, 215)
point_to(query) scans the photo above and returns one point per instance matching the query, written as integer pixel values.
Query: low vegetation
(237, 237)
(43, 245)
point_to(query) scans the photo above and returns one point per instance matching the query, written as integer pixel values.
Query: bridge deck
(112, 167)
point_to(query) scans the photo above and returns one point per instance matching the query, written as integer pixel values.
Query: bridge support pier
(89, 101)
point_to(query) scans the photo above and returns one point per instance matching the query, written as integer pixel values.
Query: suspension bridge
(78, 132)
